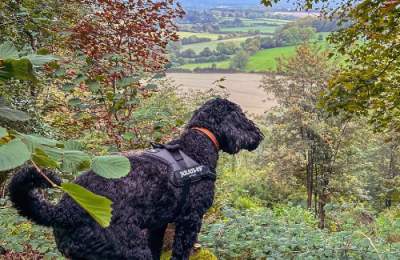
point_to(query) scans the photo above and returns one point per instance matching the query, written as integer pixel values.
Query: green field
(261, 28)
(220, 65)
(256, 20)
(198, 47)
(249, 22)
(212, 36)
(265, 60)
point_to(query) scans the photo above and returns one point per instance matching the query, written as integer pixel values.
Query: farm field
(198, 47)
(241, 29)
(265, 60)
(265, 29)
(265, 26)
(248, 21)
(219, 64)
(243, 88)
(212, 36)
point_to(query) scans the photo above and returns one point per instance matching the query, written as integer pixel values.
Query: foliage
(134, 33)
(202, 254)
(240, 60)
(34, 24)
(290, 233)
(117, 42)
(367, 83)
(310, 139)
(19, 148)
(252, 45)
(16, 233)
(16, 149)
(98, 207)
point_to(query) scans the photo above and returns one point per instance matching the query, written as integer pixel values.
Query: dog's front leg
(185, 236)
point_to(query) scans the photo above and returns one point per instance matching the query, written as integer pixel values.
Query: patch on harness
(191, 175)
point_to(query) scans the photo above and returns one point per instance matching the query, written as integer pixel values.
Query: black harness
(185, 170)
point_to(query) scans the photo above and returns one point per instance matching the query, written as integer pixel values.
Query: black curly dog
(144, 202)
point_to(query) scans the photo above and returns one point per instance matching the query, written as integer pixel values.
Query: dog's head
(226, 120)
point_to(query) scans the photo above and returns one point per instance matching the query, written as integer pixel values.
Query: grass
(261, 28)
(198, 47)
(212, 36)
(220, 65)
(265, 60)
(256, 20)
(276, 22)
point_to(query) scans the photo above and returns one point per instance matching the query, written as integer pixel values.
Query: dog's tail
(30, 203)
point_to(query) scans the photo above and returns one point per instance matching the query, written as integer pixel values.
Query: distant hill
(205, 4)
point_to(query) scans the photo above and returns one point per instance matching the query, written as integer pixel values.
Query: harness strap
(175, 152)
(186, 185)
(184, 170)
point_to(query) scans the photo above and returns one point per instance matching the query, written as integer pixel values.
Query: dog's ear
(238, 132)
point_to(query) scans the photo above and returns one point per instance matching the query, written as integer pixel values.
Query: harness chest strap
(185, 170)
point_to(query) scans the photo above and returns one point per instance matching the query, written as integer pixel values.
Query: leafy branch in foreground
(16, 148)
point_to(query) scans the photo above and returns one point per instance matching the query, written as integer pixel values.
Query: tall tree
(369, 41)
(112, 45)
(312, 140)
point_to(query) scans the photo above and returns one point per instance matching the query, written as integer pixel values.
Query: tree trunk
(310, 184)
(316, 192)
(391, 174)
(323, 197)
(321, 210)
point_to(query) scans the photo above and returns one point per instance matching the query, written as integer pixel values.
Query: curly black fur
(144, 202)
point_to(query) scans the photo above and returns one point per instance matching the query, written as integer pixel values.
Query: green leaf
(40, 60)
(13, 114)
(33, 141)
(43, 160)
(98, 207)
(72, 161)
(93, 85)
(128, 136)
(19, 69)
(8, 51)
(73, 145)
(13, 154)
(127, 81)
(151, 86)
(75, 161)
(74, 102)
(111, 166)
(3, 132)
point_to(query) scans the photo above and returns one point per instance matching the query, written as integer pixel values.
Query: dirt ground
(242, 87)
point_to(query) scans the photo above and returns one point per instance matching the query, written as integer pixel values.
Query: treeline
(293, 33)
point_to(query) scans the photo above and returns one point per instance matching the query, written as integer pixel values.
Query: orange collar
(209, 134)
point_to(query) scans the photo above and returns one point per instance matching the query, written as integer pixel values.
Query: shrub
(291, 233)
(202, 254)
(18, 234)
